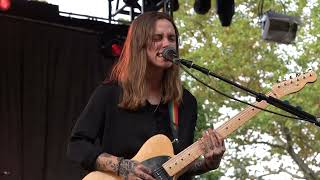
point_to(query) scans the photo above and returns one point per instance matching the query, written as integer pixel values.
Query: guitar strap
(174, 120)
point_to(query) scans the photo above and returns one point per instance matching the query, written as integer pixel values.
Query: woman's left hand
(213, 146)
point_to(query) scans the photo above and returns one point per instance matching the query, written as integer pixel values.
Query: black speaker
(279, 28)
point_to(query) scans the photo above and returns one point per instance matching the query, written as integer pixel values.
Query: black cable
(226, 95)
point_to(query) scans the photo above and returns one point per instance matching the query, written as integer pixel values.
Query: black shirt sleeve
(81, 147)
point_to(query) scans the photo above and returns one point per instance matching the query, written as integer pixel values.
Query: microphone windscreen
(169, 53)
(202, 6)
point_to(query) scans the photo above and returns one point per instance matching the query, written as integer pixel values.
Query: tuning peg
(298, 74)
(299, 108)
(286, 102)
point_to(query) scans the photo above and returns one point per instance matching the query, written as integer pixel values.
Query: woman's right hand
(133, 170)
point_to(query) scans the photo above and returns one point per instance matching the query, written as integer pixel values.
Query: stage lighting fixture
(202, 6)
(225, 11)
(279, 28)
(5, 5)
(116, 49)
(156, 5)
(132, 3)
(111, 48)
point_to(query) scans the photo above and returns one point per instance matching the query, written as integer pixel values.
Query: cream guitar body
(154, 152)
(157, 152)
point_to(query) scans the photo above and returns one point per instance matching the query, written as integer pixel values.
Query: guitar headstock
(294, 85)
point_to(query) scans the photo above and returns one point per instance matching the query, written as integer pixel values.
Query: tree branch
(304, 167)
(270, 144)
(271, 172)
(267, 143)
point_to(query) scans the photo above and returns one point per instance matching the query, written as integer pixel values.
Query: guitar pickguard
(155, 164)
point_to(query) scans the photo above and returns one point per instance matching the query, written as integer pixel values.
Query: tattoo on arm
(107, 162)
(197, 167)
(126, 167)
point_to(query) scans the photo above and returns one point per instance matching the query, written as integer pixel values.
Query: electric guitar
(157, 152)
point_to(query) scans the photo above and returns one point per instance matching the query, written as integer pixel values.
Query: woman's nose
(166, 42)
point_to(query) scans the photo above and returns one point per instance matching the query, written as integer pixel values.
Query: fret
(240, 119)
(184, 158)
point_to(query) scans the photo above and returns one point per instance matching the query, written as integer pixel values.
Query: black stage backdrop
(47, 73)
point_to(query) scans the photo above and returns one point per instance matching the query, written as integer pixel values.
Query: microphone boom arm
(259, 96)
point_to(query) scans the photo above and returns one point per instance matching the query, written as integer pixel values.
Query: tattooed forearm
(126, 167)
(107, 162)
(197, 167)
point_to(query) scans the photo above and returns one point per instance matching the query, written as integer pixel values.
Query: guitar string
(160, 172)
(240, 115)
(235, 99)
(183, 153)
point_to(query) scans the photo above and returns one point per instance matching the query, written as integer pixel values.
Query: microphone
(170, 54)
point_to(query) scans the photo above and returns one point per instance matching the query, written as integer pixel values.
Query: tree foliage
(269, 144)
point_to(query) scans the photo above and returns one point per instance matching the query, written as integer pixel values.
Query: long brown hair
(131, 69)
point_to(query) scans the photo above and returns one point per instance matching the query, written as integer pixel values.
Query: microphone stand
(259, 96)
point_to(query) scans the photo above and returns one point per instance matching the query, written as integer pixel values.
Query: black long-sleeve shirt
(104, 127)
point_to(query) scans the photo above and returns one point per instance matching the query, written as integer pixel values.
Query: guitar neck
(187, 156)
(241, 118)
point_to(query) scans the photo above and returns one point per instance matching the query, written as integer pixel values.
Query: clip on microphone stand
(259, 96)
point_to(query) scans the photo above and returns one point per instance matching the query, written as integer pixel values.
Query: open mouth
(159, 54)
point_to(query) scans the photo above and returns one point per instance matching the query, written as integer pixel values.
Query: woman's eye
(172, 38)
(157, 38)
